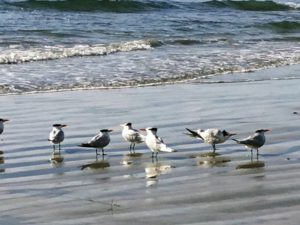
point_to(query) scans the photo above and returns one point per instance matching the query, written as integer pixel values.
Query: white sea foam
(16, 54)
(165, 65)
(293, 5)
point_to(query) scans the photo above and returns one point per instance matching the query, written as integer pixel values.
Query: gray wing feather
(57, 136)
(255, 141)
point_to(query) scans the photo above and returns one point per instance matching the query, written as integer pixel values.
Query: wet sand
(182, 187)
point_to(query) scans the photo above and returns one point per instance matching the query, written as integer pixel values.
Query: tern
(57, 135)
(155, 143)
(99, 141)
(132, 136)
(2, 121)
(254, 141)
(211, 136)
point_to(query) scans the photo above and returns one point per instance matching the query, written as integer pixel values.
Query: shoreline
(205, 79)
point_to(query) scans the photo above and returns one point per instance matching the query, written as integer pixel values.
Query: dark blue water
(56, 45)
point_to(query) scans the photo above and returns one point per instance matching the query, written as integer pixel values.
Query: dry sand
(179, 188)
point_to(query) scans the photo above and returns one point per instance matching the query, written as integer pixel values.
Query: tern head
(129, 124)
(151, 130)
(3, 120)
(105, 131)
(58, 125)
(227, 134)
(261, 131)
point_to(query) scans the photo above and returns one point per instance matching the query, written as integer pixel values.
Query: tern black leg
(96, 154)
(214, 148)
(130, 146)
(257, 154)
(251, 154)
(133, 146)
(53, 148)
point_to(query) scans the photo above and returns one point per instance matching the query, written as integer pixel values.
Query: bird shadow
(2, 161)
(205, 155)
(210, 159)
(252, 164)
(97, 164)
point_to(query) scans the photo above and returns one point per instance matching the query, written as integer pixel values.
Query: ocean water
(51, 45)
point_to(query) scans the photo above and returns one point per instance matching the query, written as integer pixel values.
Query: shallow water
(179, 188)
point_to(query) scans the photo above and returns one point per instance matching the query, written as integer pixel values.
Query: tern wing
(255, 141)
(162, 146)
(95, 139)
(137, 136)
(159, 140)
(56, 136)
(100, 140)
(194, 134)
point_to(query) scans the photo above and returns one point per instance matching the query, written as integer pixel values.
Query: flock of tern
(152, 140)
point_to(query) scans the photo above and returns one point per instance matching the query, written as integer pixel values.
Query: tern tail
(164, 148)
(85, 145)
(237, 141)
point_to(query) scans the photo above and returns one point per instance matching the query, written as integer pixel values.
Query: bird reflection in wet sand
(154, 170)
(56, 159)
(213, 161)
(132, 159)
(98, 164)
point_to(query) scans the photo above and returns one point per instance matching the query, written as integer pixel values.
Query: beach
(175, 64)
(181, 187)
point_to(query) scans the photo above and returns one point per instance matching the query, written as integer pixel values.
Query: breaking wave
(254, 5)
(135, 6)
(17, 54)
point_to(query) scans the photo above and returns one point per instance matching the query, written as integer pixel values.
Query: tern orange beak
(143, 129)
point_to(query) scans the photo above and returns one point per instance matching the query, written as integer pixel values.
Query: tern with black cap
(99, 141)
(155, 143)
(132, 136)
(254, 141)
(57, 135)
